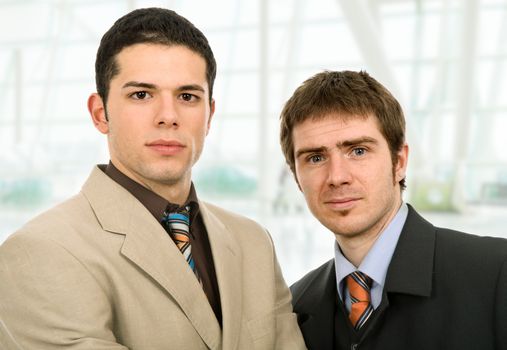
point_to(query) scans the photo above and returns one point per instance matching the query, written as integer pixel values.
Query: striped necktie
(359, 286)
(179, 228)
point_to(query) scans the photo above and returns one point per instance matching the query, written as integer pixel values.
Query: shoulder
(68, 231)
(49, 223)
(46, 243)
(470, 247)
(315, 279)
(455, 247)
(467, 243)
(229, 218)
(247, 232)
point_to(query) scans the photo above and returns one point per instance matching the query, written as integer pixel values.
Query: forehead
(160, 62)
(335, 128)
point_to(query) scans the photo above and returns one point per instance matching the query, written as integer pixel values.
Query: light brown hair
(350, 95)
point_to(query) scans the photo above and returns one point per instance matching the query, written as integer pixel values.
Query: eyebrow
(302, 151)
(357, 141)
(191, 87)
(139, 84)
(344, 144)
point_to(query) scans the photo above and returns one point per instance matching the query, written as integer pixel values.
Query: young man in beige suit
(136, 260)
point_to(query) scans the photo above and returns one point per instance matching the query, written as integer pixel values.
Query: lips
(342, 203)
(166, 147)
(341, 200)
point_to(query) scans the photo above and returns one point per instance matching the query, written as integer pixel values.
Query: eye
(316, 158)
(140, 95)
(188, 97)
(359, 151)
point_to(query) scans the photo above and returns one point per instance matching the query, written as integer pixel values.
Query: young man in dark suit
(396, 281)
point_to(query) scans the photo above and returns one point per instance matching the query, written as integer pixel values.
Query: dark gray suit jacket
(443, 290)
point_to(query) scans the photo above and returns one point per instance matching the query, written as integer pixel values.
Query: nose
(339, 170)
(166, 113)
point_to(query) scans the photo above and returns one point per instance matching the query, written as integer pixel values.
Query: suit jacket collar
(316, 307)
(157, 205)
(148, 246)
(411, 267)
(226, 256)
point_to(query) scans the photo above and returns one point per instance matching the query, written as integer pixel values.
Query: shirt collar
(376, 262)
(155, 204)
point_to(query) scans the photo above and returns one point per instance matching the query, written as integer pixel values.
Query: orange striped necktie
(359, 286)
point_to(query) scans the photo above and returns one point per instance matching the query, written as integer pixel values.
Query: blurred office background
(446, 61)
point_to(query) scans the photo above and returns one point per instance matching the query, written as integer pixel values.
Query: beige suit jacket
(99, 272)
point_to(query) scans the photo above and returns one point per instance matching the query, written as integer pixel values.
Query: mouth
(166, 147)
(342, 203)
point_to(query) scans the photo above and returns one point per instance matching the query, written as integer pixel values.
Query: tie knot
(178, 223)
(182, 215)
(359, 285)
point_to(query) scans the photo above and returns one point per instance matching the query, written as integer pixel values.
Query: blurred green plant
(25, 192)
(225, 181)
(432, 196)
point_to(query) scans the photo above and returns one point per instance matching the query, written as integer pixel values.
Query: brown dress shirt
(201, 250)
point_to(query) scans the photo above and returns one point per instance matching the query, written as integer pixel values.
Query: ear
(401, 166)
(211, 113)
(98, 113)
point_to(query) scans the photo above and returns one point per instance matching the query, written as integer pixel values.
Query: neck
(175, 193)
(356, 250)
(356, 247)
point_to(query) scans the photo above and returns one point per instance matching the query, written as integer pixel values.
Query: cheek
(199, 136)
(309, 185)
(126, 138)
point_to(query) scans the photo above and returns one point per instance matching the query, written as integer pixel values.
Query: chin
(169, 178)
(161, 175)
(347, 229)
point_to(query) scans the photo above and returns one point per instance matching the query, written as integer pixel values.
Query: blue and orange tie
(179, 228)
(359, 286)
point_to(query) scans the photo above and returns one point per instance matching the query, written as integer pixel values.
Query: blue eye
(315, 158)
(359, 151)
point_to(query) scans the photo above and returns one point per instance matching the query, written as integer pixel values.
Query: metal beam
(365, 28)
(263, 131)
(465, 102)
(18, 96)
(293, 44)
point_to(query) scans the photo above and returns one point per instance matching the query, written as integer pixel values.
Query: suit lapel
(227, 260)
(148, 246)
(411, 268)
(316, 306)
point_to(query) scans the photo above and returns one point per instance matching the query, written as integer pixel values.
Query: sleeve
(288, 334)
(49, 300)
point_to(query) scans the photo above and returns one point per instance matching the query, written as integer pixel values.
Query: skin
(159, 114)
(345, 171)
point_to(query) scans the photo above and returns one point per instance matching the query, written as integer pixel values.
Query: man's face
(344, 169)
(158, 113)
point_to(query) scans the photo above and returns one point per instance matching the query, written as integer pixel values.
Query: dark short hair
(149, 25)
(349, 94)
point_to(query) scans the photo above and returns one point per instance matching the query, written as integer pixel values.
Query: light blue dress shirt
(375, 263)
